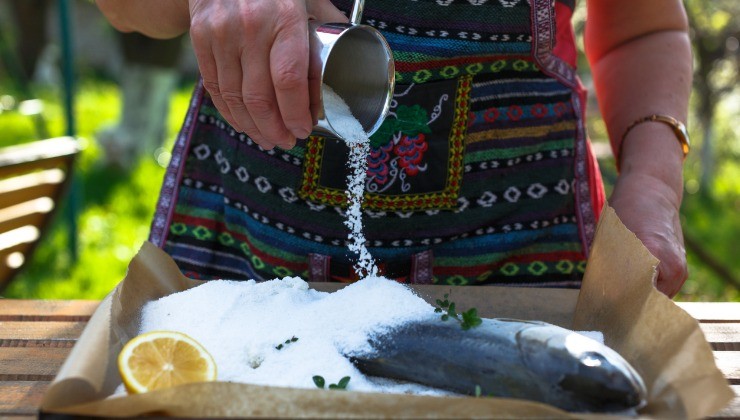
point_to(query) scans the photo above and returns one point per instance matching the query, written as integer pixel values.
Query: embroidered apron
(481, 174)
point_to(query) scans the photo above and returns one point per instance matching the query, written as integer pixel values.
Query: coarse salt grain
(351, 131)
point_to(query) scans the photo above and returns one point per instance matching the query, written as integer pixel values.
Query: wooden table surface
(36, 337)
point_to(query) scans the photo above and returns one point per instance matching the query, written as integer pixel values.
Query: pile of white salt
(245, 326)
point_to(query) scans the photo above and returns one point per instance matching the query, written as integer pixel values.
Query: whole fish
(507, 358)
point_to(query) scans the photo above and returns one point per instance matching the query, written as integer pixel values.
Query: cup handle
(356, 15)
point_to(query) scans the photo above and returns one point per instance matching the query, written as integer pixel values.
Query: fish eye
(591, 359)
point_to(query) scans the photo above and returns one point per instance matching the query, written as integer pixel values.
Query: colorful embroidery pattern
(397, 153)
(428, 36)
(509, 178)
(426, 71)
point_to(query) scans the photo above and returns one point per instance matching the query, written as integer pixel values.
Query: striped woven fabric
(445, 39)
(481, 171)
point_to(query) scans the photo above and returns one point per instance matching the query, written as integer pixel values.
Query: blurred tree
(29, 17)
(715, 32)
(148, 77)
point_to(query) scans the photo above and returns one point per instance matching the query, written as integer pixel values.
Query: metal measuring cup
(357, 63)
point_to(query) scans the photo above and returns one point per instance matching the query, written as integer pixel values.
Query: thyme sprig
(467, 319)
(288, 341)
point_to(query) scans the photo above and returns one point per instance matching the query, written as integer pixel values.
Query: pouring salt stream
(383, 336)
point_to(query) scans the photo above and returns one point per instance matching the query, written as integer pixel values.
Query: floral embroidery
(384, 169)
(415, 159)
(411, 150)
(407, 142)
(378, 164)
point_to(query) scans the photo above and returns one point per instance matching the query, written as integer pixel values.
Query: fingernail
(300, 133)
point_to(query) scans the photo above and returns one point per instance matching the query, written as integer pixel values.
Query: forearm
(647, 73)
(157, 19)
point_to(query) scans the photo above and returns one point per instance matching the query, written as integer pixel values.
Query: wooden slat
(47, 310)
(723, 336)
(732, 410)
(712, 311)
(20, 397)
(35, 219)
(728, 363)
(58, 147)
(31, 363)
(30, 180)
(26, 187)
(16, 330)
(29, 201)
(57, 162)
(9, 241)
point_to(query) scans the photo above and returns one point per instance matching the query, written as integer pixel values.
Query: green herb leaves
(319, 381)
(341, 385)
(288, 341)
(470, 319)
(467, 319)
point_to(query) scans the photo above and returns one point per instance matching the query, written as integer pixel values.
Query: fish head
(601, 378)
(603, 374)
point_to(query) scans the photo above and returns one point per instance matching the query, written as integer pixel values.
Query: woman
(482, 174)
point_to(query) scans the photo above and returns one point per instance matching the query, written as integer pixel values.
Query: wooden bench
(34, 178)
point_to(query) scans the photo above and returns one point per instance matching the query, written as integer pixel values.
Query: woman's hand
(640, 57)
(649, 208)
(253, 56)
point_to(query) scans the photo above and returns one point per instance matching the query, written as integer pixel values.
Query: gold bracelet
(679, 129)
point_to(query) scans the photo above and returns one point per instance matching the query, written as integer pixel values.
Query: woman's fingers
(229, 71)
(254, 59)
(673, 270)
(645, 205)
(289, 72)
(314, 92)
(230, 81)
(209, 73)
(204, 28)
(259, 98)
(325, 11)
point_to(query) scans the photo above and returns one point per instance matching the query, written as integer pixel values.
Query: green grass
(117, 208)
(713, 222)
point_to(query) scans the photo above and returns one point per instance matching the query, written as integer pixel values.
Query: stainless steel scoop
(356, 61)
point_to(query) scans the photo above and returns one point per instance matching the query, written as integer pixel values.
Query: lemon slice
(163, 359)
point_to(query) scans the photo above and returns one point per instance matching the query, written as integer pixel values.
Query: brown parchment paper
(617, 297)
